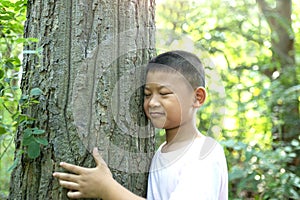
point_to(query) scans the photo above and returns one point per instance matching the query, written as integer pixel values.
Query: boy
(187, 165)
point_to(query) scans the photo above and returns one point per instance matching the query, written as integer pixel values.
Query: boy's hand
(86, 182)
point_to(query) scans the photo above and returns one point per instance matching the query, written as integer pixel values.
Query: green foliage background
(12, 101)
(234, 41)
(245, 108)
(12, 16)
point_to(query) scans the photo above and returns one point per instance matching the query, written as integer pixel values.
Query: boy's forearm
(115, 191)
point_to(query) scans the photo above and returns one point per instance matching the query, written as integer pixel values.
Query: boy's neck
(180, 136)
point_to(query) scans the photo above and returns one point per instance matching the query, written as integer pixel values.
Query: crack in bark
(69, 7)
(91, 108)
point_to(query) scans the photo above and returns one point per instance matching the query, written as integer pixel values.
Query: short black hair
(186, 63)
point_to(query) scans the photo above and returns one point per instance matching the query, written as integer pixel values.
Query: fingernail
(61, 163)
(95, 150)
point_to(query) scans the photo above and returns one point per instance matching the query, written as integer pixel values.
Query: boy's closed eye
(147, 94)
(162, 93)
(165, 93)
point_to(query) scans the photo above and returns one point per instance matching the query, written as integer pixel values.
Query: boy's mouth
(156, 114)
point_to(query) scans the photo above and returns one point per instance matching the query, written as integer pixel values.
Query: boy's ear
(199, 97)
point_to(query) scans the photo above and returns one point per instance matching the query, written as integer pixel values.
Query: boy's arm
(93, 182)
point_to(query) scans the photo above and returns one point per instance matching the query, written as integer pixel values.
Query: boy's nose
(154, 102)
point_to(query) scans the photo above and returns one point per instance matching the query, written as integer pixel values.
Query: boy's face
(168, 100)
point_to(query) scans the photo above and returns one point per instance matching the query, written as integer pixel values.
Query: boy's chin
(158, 125)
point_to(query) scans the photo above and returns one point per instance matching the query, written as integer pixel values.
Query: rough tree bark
(89, 71)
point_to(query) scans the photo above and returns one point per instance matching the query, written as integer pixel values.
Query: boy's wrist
(108, 186)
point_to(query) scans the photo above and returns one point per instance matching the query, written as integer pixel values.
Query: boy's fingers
(72, 168)
(98, 159)
(74, 194)
(69, 185)
(65, 176)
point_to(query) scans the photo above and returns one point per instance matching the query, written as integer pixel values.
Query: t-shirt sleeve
(201, 180)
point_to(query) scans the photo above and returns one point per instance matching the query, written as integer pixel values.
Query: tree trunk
(89, 70)
(285, 105)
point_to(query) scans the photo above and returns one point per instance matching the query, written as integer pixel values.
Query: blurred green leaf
(27, 139)
(23, 99)
(33, 149)
(42, 141)
(2, 130)
(35, 92)
(1, 73)
(237, 173)
(9, 65)
(37, 131)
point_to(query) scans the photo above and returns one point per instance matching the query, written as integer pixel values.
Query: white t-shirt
(198, 171)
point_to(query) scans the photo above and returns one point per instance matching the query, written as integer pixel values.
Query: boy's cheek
(145, 105)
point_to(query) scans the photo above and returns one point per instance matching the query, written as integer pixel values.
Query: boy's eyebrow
(160, 87)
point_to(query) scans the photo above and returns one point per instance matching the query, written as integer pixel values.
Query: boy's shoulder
(210, 146)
